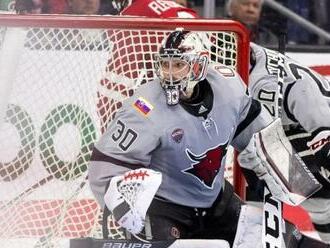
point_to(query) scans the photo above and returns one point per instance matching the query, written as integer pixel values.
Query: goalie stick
(272, 205)
(285, 176)
(178, 243)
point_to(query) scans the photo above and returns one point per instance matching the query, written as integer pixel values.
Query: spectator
(248, 12)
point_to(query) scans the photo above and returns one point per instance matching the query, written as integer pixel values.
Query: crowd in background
(317, 12)
(274, 23)
(264, 25)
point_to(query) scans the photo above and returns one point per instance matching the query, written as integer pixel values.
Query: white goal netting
(59, 87)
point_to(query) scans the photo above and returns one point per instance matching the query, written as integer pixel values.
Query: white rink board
(313, 59)
(67, 134)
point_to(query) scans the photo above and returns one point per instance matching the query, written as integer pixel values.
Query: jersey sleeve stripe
(254, 111)
(99, 156)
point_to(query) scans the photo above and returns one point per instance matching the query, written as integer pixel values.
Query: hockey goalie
(159, 167)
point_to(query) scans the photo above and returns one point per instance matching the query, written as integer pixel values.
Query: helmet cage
(174, 86)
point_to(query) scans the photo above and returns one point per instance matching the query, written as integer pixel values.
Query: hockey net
(62, 80)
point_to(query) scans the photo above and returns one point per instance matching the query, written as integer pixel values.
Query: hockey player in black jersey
(305, 119)
(163, 154)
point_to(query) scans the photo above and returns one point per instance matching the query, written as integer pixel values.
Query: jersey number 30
(125, 136)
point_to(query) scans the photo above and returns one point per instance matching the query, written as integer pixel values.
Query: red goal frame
(69, 21)
(106, 23)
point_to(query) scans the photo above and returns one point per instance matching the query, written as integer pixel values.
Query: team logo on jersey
(143, 106)
(206, 166)
(177, 135)
(202, 109)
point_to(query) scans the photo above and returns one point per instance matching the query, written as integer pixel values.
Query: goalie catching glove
(129, 197)
(271, 156)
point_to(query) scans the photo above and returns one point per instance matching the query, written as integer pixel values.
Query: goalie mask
(180, 64)
(119, 5)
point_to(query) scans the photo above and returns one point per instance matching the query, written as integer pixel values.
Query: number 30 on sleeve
(123, 135)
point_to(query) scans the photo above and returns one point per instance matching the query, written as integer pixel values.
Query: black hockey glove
(320, 146)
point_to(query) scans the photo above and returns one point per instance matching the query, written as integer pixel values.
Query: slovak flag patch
(143, 106)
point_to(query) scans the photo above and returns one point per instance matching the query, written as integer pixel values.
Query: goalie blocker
(271, 156)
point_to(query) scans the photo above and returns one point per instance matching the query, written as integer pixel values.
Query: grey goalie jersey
(306, 97)
(188, 150)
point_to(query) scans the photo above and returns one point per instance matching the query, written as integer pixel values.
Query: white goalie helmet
(181, 63)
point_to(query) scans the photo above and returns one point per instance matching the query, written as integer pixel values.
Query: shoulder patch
(143, 106)
(225, 70)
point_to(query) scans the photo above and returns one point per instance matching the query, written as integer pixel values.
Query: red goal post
(61, 80)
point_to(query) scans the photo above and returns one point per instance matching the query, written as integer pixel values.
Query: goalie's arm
(253, 118)
(126, 145)
(99, 176)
